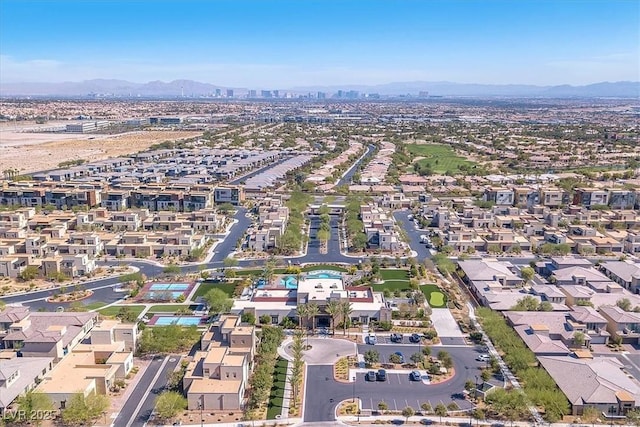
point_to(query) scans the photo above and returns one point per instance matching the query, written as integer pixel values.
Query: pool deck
(154, 320)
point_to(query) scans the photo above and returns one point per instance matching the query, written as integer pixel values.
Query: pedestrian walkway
(506, 372)
(445, 324)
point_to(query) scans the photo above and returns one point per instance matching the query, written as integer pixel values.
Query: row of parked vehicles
(381, 375)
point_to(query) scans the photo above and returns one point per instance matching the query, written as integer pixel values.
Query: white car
(483, 358)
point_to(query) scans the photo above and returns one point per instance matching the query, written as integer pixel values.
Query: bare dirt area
(32, 152)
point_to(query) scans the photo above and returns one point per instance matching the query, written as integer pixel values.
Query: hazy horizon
(286, 44)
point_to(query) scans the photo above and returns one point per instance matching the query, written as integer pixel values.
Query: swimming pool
(324, 275)
(289, 282)
(177, 320)
(169, 287)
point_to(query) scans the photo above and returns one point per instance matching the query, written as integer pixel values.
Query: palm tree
(333, 309)
(346, 310)
(312, 311)
(303, 311)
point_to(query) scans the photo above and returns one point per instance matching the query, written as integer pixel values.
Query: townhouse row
(179, 198)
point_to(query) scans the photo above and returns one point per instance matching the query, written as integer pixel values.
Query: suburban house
(599, 382)
(18, 375)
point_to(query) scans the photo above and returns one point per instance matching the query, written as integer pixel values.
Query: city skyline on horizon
(287, 44)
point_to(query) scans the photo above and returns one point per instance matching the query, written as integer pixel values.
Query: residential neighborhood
(367, 262)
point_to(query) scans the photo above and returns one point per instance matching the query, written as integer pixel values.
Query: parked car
(415, 376)
(396, 337)
(381, 375)
(483, 358)
(397, 353)
(372, 340)
(415, 338)
(370, 376)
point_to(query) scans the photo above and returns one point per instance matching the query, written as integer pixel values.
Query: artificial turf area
(277, 390)
(435, 297)
(394, 274)
(440, 158)
(205, 287)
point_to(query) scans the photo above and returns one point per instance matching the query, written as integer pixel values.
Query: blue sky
(282, 44)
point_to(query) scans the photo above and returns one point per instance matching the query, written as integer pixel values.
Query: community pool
(289, 282)
(324, 275)
(175, 320)
(169, 287)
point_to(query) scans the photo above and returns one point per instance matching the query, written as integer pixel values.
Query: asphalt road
(141, 401)
(346, 179)
(402, 218)
(324, 393)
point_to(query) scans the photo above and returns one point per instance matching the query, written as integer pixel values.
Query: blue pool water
(289, 282)
(169, 287)
(178, 320)
(324, 275)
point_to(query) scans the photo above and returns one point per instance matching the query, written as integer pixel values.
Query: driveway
(445, 324)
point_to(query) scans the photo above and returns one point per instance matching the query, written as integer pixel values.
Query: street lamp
(354, 390)
(201, 407)
(475, 392)
(358, 408)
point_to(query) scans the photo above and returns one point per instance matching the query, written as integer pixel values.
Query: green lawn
(113, 310)
(95, 305)
(440, 158)
(394, 274)
(324, 267)
(392, 285)
(277, 391)
(435, 297)
(170, 308)
(205, 287)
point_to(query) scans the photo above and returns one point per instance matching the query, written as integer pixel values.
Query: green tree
(526, 303)
(625, 304)
(218, 301)
(333, 309)
(171, 269)
(81, 410)
(578, 338)
(303, 313)
(440, 410)
(633, 416)
(382, 406)
(169, 404)
(346, 309)
(545, 306)
(29, 273)
(426, 408)
(395, 358)
(312, 311)
(125, 314)
(590, 414)
(229, 262)
(371, 357)
(527, 274)
(407, 413)
(32, 404)
(446, 359)
(417, 358)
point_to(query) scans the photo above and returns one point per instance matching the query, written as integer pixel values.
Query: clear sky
(282, 44)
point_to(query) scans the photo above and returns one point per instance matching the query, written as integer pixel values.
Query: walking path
(506, 372)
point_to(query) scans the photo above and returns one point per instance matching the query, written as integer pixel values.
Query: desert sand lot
(32, 152)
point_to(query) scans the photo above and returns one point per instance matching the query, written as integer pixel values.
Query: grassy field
(203, 288)
(392, 285)
(95, 305)
(394, 274)
(113, 310)
(440, 158)
(434, 296)
(277, 391)
(170, 308)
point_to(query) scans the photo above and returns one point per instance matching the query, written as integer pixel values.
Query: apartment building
(217, 377)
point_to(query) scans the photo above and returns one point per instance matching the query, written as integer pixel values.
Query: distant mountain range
(190, 88)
